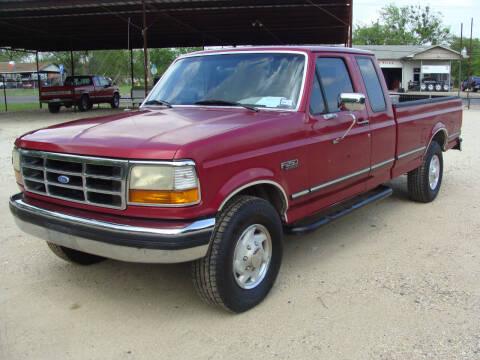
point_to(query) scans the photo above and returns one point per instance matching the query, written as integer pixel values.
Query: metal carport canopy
(47, 25)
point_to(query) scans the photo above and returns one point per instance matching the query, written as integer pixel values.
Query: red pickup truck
(86, 90)
(230, 149)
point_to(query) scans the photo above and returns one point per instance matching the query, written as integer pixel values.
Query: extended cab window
(79, 81)
(334, 79)
(372, 83)
(96, 81)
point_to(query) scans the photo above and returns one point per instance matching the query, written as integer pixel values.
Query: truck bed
(419, 119)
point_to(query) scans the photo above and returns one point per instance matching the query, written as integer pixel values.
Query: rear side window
(372, 83)
(334, 79)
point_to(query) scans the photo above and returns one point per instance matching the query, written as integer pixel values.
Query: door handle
(330, 116)
(363, 122)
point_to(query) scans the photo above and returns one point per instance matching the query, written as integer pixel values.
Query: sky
(454, 12)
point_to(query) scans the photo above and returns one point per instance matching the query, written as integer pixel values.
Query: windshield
(270, 80)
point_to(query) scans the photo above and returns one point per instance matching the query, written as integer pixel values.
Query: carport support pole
(350, 30)
(4, 92)
(73, 82)
(38, 80)
(145, 50)
(131, 71)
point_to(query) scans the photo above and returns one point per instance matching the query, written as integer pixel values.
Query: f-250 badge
(289, 165)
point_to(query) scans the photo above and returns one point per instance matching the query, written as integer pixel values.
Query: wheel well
(441, 138)
(270, 193)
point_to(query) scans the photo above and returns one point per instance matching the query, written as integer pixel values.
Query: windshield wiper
(224, 102)
(158, 102)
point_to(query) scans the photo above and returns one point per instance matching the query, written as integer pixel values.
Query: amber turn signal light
(165, 197)
(18, 177)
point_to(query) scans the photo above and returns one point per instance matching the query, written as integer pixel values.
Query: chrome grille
(81, 179)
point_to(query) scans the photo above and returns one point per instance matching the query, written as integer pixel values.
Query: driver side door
(339, 155)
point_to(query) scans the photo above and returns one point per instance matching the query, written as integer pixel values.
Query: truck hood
(143, 134)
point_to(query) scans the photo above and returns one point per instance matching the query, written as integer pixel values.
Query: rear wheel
(84, 104)
(74, 256)
(424, 182)
(115, 103)
(53, 108)
(244, 258)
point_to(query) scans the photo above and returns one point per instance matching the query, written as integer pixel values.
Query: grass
(124, 90)
(19, 107)
(20, 92)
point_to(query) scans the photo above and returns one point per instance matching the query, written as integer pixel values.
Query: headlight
(16, 165)
(164, 185)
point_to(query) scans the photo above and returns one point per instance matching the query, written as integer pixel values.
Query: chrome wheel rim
(252, 256)
(434, 172)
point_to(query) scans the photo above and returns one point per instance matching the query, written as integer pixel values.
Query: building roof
(20, 68)
(398, 52)
(48, 25)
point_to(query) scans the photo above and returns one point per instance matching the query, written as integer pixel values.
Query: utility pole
(461, 59)
(470, 62)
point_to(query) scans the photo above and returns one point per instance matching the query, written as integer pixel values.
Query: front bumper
(147, 241)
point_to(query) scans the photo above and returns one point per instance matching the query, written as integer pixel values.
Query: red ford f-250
(228, 150)
(86, 90)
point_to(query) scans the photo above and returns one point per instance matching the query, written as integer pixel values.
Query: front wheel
(244, 258)
(424, 182)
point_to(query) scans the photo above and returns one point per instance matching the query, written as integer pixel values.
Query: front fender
(244, 179)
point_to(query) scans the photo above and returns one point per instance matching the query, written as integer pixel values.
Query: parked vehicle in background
(472, 84)
(84, 91)
(230, 148)
(430, 84)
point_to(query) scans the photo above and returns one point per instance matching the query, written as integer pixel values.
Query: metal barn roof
(48, 25)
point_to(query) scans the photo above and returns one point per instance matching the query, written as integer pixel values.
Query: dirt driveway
(395, 280)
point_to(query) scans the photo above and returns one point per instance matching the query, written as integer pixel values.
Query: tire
(438, 87)
(214, 277)
(115, 103)
(430, 87)
(423, 184)
(53, 108)
(68, 106)
(74, 256)
(84, 104)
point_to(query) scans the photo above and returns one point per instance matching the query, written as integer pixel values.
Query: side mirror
(351, 101)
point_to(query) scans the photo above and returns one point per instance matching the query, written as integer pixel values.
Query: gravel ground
(394, 280)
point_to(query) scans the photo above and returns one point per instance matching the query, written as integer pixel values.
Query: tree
(475, 54)
(12, 55)
(407, 25)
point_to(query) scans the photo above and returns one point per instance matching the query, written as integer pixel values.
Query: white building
(405, 65)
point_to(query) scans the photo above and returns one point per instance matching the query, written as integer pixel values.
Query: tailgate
(55, 92)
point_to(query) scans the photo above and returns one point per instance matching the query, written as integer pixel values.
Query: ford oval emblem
(63, 179)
